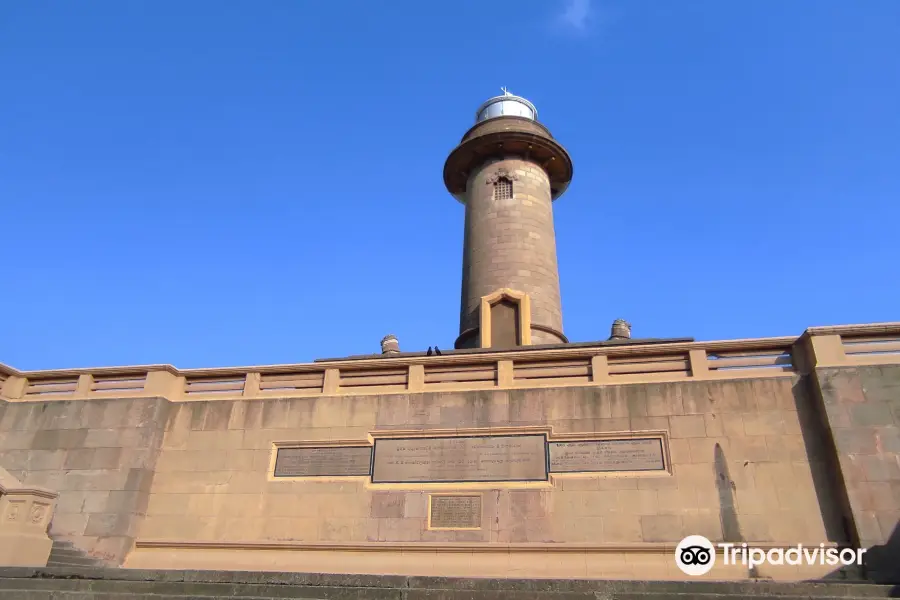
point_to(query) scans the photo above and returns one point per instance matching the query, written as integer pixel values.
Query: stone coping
(811, 588)
(467, 547)
(10, 486)
(612, 347)
(532, 348)
(557, 365)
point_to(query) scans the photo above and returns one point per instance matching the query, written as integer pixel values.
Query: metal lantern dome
(507, 105)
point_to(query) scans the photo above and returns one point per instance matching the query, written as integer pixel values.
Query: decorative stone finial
(390, 345)
(621, 330)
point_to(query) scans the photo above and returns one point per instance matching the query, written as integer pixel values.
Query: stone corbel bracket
(25, 514)
(499, 174)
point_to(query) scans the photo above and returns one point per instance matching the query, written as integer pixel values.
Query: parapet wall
(560, 366)
(100, 456)
(741, 441)
(180, 471)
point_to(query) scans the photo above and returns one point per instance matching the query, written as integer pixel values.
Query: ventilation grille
(860, 347)
(775, 359)
(63, 386)
(503, 189)
(572, 370)
(383, 379)
(214, 385)
(674, 365)
(110, 384)
(289, 382)
(461, 373)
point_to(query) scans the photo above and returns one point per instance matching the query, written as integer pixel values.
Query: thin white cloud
(576, 15)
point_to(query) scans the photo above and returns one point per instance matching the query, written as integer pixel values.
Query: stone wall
(100, 457)
(748, 464)
(862, 409)
(510, 243)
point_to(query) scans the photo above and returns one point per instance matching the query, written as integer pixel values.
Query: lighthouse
(507, 171)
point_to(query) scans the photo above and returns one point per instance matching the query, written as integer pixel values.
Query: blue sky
(213, 183)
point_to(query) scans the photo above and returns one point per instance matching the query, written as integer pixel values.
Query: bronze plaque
(455, 512)
(460, 459)
(323, 462)
(645, 454)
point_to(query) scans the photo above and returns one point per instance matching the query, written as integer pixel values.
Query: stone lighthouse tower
(507, 171)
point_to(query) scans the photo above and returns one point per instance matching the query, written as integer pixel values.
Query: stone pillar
(13, 387)
(860, 407)
(25, 514)
(507, 171)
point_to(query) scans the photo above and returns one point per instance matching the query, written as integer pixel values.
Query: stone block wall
(861, 406)
(748, 465)
(510, 243)
(100, 457)
(752, 460)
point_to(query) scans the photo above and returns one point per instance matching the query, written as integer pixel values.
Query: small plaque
(645, 454)
(460, 459)
(455, 512)
(348, 461)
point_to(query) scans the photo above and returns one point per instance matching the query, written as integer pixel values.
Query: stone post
(621, 330)
(390, 344)
(13, 387)
(164, 384)
(25, 514)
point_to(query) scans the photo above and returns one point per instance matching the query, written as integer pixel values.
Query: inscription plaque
(323, 462)
(644, 454)
(455, 512)
(460, 459)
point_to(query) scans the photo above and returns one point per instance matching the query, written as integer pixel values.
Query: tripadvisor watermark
(696, 555)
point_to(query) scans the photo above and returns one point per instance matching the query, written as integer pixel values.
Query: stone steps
(66, 554)
(71, 583)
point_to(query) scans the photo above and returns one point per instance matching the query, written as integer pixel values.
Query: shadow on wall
(883, 562)
(824, 469)
(731, 530)
(881, 565)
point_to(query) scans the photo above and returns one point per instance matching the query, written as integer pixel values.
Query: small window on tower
(503, 189)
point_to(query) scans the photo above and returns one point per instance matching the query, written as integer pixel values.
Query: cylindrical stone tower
(507, 171)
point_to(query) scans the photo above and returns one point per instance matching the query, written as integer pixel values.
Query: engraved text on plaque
(644, 454)
(455, 512)
(323, 462)
(460, 459)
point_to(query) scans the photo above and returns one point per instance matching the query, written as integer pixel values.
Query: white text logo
(695, 555)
